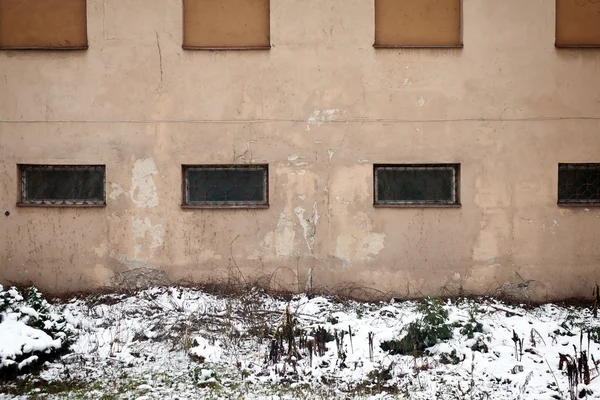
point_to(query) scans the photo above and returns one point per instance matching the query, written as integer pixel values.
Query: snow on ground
(176, 343)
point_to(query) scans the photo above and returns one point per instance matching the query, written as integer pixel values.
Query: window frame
(185, 204)
(419, 203)
(567, 203)
(460, 45)
(22, 182)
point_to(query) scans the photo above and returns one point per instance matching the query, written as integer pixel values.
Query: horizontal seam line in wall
(310, 122)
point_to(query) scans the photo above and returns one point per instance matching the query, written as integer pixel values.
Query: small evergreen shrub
(30, 332)
(450, 358)
(425, 332)
(471, 327)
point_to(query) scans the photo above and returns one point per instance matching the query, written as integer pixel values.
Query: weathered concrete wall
(320, 108)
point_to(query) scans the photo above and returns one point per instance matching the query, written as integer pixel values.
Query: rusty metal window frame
(590, 197)
(188, 203)
(453, 202)
(27, 199)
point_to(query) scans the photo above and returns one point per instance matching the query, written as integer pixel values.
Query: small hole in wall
(7, 213)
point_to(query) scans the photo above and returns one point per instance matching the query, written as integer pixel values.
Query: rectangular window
(43, 24)
(417, 185)
(226, 24)
(62, 185)
(225, 186)
(577, 23)
(579, 184)
(422, 23)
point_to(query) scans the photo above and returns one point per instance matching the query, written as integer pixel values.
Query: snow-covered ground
(176, 343)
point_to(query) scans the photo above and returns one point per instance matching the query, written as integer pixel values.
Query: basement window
(225, 186)
(226, 24)
(577, 23)
(422, 23)
(579, 184)
(416, 185)
(62, 185)
(43, 24)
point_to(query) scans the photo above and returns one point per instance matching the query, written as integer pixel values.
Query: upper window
(43, 24)
(62, 185)
(422, 23)
(577, 23)
(225, 186)
(416, 185)
(579, 184)
(226, 24)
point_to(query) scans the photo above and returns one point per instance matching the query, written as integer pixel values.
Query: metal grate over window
(418, 185)
(225, 186)
(62, 185)
(579, 184)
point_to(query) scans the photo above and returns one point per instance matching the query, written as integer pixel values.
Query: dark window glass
(226, 186)
(578, 183)
(406, 185)
(62, 185)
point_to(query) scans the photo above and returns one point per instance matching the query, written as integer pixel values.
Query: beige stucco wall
(320, 108)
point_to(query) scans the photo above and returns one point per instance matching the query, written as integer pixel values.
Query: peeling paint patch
(101, 250)
(140, 229)
(360, 243)
(117, 191)
(555, 223)
(292, 157)
(320, 117)
(486, 246)
(283, 239)
(343, 248)
(371, 244)
(341, 200)
(309, 226)
(208, 254)
(421, 102)
(102, 273)
(143, 189)
(364, 248)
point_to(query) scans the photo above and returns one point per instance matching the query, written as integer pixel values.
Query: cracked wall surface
(320, 108)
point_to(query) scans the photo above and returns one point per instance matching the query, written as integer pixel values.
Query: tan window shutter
(223, 24)
(43, 24)
(418, 23)
(577, 23)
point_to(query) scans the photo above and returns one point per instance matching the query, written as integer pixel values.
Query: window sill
(216, 48)
(454, 46)
(579, 205)
(49, 48)
(417, 205)
(225, 207)
(577, 46)
(49, 205)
